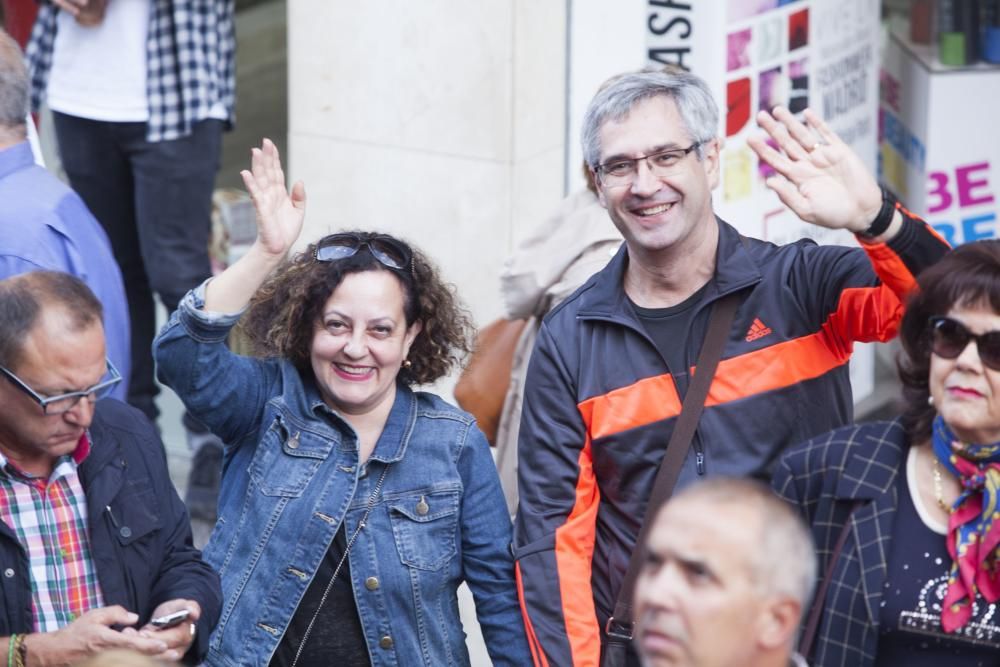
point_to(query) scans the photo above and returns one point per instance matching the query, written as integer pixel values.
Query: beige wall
(438, 120)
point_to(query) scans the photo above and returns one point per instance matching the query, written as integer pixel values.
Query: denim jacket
(292, 477)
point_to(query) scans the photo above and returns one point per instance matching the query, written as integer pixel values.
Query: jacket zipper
(699, 457)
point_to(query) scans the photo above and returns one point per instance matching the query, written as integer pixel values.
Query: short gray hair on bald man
(618, 96)
(13, 83)
(784, 561)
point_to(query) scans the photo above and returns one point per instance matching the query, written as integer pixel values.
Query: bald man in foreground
(727, 572)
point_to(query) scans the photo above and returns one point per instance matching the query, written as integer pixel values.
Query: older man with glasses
(95, 544)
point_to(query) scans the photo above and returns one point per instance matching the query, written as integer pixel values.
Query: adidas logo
(757, 330)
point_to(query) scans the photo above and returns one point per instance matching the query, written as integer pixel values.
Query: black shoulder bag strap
(619, 626)
(812, 623)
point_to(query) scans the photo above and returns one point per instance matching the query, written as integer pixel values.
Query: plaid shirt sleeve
(38, 53)
(190, 63)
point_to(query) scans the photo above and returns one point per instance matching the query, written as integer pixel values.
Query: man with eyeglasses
(613, 362)
(94, 541)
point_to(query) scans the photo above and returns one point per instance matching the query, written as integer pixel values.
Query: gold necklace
(938, 492)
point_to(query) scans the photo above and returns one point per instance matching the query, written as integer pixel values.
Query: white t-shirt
(99, 72)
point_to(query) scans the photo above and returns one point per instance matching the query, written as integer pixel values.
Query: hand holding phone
(170, 620)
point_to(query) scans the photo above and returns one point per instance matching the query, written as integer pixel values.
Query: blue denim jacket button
(422, 507)
(385, 642)
(371, 583)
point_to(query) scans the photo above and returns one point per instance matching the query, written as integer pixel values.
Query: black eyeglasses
(57, 405)
(387, 250)
(949, 338)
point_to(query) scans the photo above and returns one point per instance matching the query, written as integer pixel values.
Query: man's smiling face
(658, 213)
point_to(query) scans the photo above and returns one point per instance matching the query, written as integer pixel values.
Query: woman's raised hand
(279, 212)
(279, 221)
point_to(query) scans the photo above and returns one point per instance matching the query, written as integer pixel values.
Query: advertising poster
(939, 150)
(803, 53)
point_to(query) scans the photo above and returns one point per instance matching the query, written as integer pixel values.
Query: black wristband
(884, 217)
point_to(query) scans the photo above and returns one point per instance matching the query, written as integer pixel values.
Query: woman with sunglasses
(914, 501)
(351, 506)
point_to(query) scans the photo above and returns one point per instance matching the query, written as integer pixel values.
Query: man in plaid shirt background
(93, 537)
(141, 92)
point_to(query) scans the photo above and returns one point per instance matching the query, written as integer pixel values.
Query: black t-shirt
(337, 637)
(671, 329)
(910, 630)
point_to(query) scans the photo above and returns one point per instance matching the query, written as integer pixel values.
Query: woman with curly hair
(352, 506)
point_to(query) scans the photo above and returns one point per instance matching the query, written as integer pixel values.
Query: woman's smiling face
(361, 341)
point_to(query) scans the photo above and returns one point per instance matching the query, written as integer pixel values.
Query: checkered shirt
(824, 478)
(49, 518)
(190, 62)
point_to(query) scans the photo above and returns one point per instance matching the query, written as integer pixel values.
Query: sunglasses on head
(949, 338)
(387, 250)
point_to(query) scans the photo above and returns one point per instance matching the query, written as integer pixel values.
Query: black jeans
(155, 202)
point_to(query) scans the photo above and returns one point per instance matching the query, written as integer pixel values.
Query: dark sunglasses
(949, 338)
(387, 250)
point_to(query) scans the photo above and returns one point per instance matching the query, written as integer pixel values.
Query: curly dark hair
(283, 314)
(967, 276)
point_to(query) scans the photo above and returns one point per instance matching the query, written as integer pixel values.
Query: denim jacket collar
(391, 445)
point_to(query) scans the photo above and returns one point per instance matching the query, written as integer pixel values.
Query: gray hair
(620, 94)
(13, 83)
(784, 561)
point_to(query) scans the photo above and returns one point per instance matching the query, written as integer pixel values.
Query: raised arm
(820, 177)
(279, 220)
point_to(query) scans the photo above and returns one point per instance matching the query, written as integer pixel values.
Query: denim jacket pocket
(425, 527)
(281, 465)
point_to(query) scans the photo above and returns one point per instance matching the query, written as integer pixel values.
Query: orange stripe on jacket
(890, 268)
(775, 367)
(862, 313)
(866, 314)
(644, 402)
(537, 655)
(574, 552)
(907, 213)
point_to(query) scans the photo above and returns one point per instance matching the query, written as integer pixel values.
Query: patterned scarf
(973, 529)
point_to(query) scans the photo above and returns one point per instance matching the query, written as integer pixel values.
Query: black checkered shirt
(824, 478)
(190, 62)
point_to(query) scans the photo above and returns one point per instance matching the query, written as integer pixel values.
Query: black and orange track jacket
(600, 405)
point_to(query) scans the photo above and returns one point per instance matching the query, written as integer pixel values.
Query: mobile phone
(170, 620)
